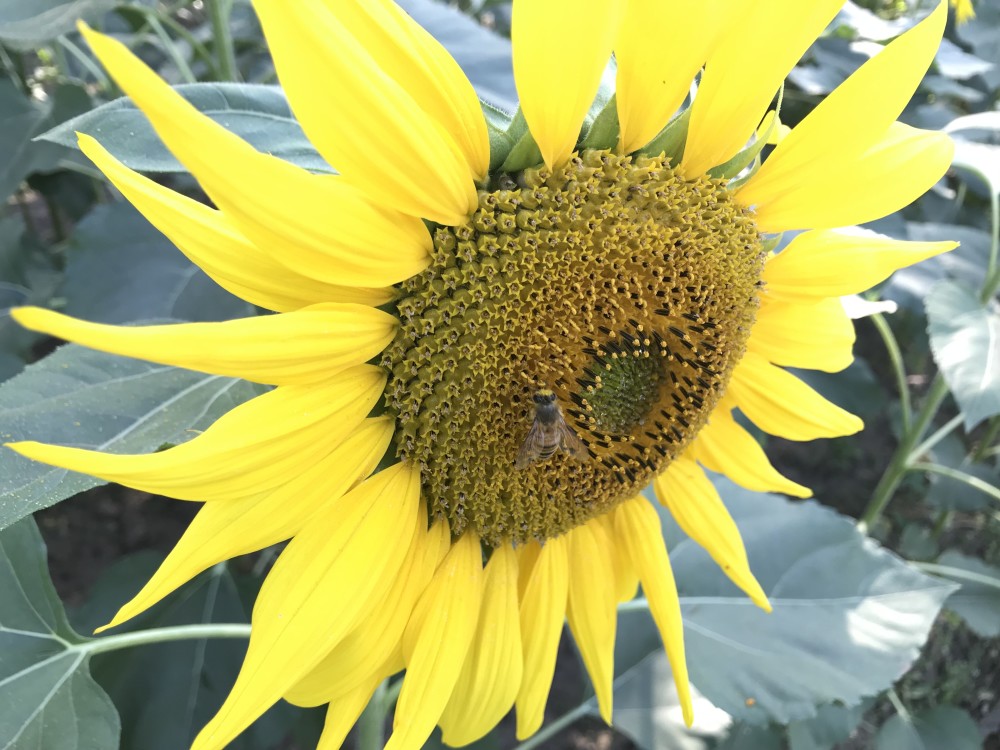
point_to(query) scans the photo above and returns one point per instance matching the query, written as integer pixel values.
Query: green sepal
(751, 154)
(525, 152)
(498, 123)
(605, 129)
(671, 140)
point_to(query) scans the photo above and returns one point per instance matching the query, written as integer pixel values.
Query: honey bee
(549, 432)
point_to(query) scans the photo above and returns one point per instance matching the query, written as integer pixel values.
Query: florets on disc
(626, 289)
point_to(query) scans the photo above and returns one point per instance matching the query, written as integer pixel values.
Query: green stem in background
(943, 432)
(171, 49)
(992, 271)
(903, 456)
(161, 635)
(958, 476)
(164, 18)
(986, 447)
(898, 705)
(958, 573)
(371, 724)
(225, 57)
(941, 523)
(84, 59)
(11, 69)
(898, 367)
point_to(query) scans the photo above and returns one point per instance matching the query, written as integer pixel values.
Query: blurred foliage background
(922, 480)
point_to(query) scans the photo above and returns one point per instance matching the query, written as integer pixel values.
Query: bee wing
(532, 447)
(572, 444)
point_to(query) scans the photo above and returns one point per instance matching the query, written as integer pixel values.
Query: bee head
(544, 396)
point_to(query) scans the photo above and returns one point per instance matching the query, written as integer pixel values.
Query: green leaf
(951, 494)
(121, 269)
(978, 601)
(965, 340)
(605, 129)
(848, 619)
(259, 114)
(21, 120)
(498, 124)
(47, 696)
(524, 153)
(832, 723)
(27, 25)
(165, 692)
(88, 399)
(941, 727)
(751, 154)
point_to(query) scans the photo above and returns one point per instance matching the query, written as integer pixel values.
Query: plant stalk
(225, 56)
(161, 635)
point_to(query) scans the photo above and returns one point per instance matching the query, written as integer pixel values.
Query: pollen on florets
(623, 287)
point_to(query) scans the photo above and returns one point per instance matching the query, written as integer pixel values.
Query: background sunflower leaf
(165, 692)
(965, 340)
(259, 114)
(26, 25)
(849, 617)
(88, 399)
(978, 601)
(941, 727)
(47, 697)
(120, 269)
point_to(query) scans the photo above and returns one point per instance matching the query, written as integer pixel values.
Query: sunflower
(431, 309)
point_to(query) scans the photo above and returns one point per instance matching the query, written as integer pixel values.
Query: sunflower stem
(898, 367)
(161, 635)
(371, 724)
(992, 272)
(225, 57)
(904, 456)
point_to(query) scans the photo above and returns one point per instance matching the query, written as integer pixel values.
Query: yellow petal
(638, 526)
(851, 119)
(825, 263)
(761, 42)
(295, 348)
(491, 675)
(815, 334)
(593, 617)
(343, 714)
(323, 224)
(723, 446)
(369, 121)
(626, 577)
(560, 52)
(362, 654)
(543, 611)
(891, 174)
(439, 635)
(327, 577)
(423, 68)
(227, 528)
(696, 506)
(652, 78)
(253, 448)
(781, 404)
(210, 240)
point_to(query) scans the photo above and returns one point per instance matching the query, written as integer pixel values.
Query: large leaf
(941, 728)
(166, 692)
(258, 114)
(848, 620)
(120, 269)
(21, 120)
(831, 724)
(47, 696)
(93, 400)
(26, 25)
(965, 339)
